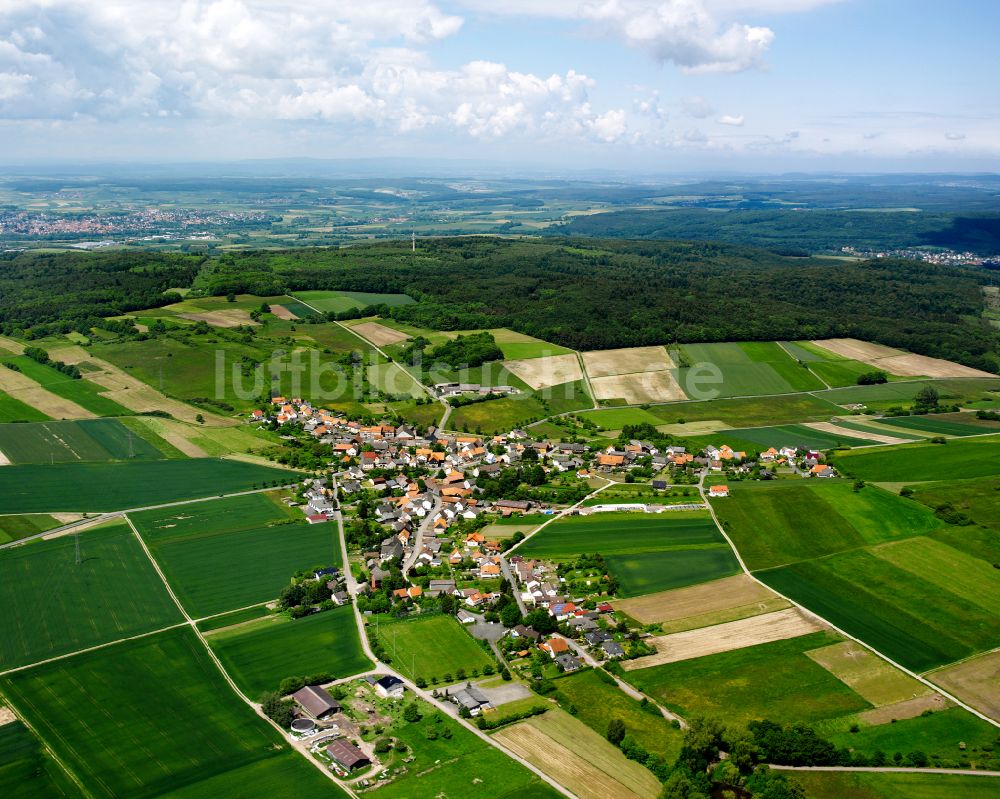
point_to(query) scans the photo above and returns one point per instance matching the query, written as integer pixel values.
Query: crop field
(259, 655)
(26, 769)
(715, 602)
(544, 372)
(297, 310)
(775, 680)
(867, 675)
(53, 605)
(951, 426)
(200, 441)
(393, 379)
(227, 554)
(644, 573)
(781, 522)
(68, 442)
(234, 618)
(639, 388)
(82, 392)
(901, 393)
(36, 488)
(94, 711)
(431, 648)
(15, 410)
(974, 681)
(605, 363)
(577, 757)
(837, 785)
(16, 527)
(871, 428)
(794, 436)
(498, 415)
(853, 432)
(913, 600)
(746, 369)
(958, 459)
(896, 362)
(460, 765)
(836, 370)
(339, 301)
(732, 635)
(598, 702)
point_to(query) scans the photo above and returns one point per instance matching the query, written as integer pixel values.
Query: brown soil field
(896, 362)
(6, 715)
(552, 370)
(283, 313)
(908, 709)
(229, 317)
(4, 460)
(829, 427)
(680, 603)
(379, 335)
(867, 675)
(776, 626)
(638, 388)
(71, 353)
(694, 428)
(975, 681)
(604, 363)
(11, 346)
(28, 391)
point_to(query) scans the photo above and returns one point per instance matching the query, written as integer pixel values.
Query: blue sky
(640, 85)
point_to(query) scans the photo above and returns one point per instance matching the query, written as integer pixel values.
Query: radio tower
(413, 240)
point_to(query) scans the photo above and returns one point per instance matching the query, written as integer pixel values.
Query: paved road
(418, 541)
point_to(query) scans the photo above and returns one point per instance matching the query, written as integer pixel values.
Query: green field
(26, 770)
(83, 392)
(154, 717)
(958, 459)
(233, 618)
(53, 606)
(868, 425)
(775, 681)
(431, 647)
(834, 369)
(459, 766)
(259, 655)
(37, 488)
(885, 395)
(71, 442)
(230, 553)
(598, 702)
(747, 368)
(838, 785)
(299, 309)
(14, 528)
(791, 435)
(645, 552)
(13, 410)
(498, 415)
(979, 499)
(339, 301)
(919, 601)
(937, 425)
(393, 379)
(781, 522)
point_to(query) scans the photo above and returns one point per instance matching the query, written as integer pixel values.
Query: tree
(199, 419)
(280, 711)
(411, 713)
(383, 745)
(616, 731)
(927, 398)
(464, 712)
(510, 616)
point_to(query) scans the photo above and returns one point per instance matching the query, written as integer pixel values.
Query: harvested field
(229, 317)
(867, 675)
(837, 430)
(739, 592)
(896, 362)
(283, 313)
(379, 335)
(548, 371)
(907, 709)
(639, 388)
(699, 428)
(604, 363)
(578, 758)
(777, 626)
(23, 388)
(974, 681)
(11, 346)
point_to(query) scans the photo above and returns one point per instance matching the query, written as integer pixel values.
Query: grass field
(231, 619)
(837, 785)
(83, 392)
(258, 656)
(792, 435)
(598, 702)
(53, 606)
(645, 552)
(979, 498)
(338, 301)
(230, 553)
(14, 528)
(776, 681)
(70, 442)
(747, 369)
(14, 410)
(961, 459)
(460, 765)
(881, 396)
(35, 488)
(197, 740)
(431, 647)
(780, 522)
(950, 426)
(393, 379)
(27, 770)
(919, 601)
(494, 416)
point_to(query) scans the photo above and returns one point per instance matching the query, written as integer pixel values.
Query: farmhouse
(389, 687)
(347, 755)
(718, 491)
(316, 702)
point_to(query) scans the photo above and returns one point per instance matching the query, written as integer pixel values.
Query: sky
(648, 86)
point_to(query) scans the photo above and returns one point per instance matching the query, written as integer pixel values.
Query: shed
(347, 755)
(316, 702)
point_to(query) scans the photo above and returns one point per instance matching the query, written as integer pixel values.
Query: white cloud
(728, 119)
(952, 136)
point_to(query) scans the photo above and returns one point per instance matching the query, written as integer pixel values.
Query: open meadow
(258, 655)
(35, 488)
(339, 301)
(226, 554)
(958, 459)
(432, 647)
(199, 740)
(54, 605)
